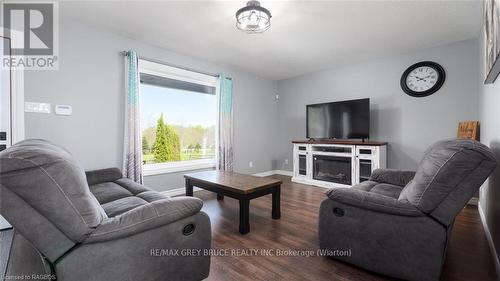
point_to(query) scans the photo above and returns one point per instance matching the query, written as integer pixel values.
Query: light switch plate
(37, 107)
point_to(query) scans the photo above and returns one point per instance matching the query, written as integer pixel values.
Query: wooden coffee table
(237, 186)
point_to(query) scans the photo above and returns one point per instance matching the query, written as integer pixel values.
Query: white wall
(409, 124)
(91, 79)
(489, 112)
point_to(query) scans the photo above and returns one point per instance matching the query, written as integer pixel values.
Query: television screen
(339, 120)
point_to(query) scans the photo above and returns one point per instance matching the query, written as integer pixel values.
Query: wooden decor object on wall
(468, 130)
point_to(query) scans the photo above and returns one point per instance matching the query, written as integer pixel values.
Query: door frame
(17, 129)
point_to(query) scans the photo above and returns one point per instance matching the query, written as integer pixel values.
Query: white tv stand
(336, 163)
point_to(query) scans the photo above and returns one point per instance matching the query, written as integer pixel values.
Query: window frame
(166, 71)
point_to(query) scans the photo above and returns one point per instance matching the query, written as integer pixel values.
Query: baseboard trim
(490, 240)
(274, 172)
(264, 174)
(473, 201)
(284, 173)
(178, 191)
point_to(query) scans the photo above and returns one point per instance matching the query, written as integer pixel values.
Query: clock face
(422, 79)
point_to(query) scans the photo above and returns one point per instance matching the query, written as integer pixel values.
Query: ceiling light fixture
(253, 18)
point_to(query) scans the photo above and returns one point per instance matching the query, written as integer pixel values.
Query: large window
(178, 118)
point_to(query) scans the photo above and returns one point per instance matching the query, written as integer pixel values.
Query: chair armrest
(145, 217)
(373, 201)
(103, 175)
(392, 176)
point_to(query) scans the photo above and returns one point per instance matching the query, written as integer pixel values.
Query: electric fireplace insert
(334, 169)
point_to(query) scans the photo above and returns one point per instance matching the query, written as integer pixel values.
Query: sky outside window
(179, 107)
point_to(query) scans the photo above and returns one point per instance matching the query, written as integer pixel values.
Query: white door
(5, 97)
(5, 108)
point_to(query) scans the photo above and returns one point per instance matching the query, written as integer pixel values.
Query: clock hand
(423, 79)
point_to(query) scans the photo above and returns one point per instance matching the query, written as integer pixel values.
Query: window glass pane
(188, 128)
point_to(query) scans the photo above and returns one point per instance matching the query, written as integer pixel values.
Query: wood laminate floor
(468, 258)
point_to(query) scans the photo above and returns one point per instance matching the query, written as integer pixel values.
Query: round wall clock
(422, 79)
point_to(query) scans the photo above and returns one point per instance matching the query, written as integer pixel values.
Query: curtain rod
(177, 66)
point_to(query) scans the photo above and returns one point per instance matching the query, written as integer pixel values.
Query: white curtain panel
(225, 153)
(132, 148)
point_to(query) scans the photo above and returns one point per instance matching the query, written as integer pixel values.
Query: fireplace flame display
(332, 168)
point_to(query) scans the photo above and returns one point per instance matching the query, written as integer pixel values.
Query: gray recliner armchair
(399, 223)
(96, 226)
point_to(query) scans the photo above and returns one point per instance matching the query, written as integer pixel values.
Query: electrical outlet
(250, 164)
(286, 161)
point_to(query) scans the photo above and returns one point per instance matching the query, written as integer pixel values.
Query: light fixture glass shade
(253, 18)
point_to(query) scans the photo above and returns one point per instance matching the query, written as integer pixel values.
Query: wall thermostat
(63, 109)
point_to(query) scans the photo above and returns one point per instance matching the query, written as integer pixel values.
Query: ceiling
(305, 36)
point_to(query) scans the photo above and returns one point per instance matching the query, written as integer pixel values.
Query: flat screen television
(339, 120)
